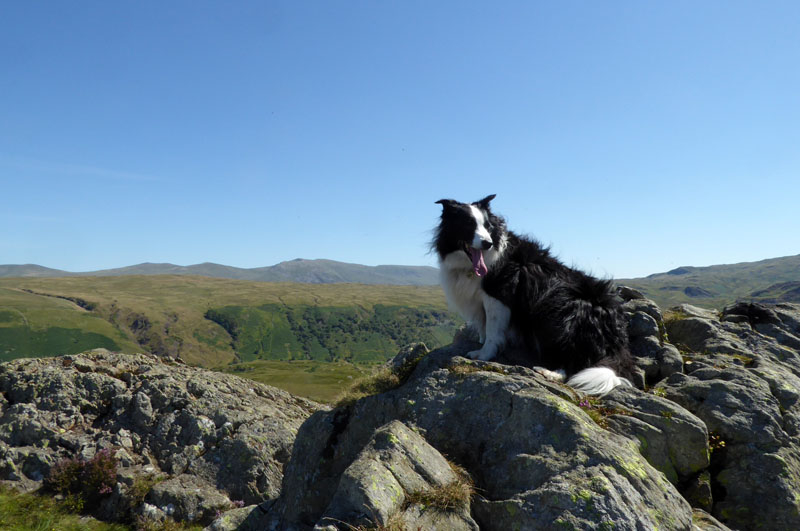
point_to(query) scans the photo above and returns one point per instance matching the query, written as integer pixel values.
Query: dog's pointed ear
(484, 203)
(446, 203)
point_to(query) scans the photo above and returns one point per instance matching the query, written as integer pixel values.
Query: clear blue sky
(632, 136)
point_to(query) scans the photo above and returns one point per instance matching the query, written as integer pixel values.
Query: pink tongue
(478, 265)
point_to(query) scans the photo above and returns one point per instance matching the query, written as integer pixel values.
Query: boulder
(188, 498)
(399, 477)
(695, 311)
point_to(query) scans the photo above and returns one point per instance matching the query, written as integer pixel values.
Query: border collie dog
(513, 292)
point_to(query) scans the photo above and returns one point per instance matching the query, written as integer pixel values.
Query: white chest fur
(462, 287)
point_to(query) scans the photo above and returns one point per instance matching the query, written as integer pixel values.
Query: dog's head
(468, 227)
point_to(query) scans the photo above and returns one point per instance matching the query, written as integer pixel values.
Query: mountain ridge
(285, 267)
(314, 271)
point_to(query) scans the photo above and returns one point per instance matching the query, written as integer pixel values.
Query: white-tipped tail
(596, 381)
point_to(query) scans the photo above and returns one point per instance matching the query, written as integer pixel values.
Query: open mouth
(478, 265)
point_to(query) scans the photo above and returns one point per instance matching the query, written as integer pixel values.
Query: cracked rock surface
(205, 440)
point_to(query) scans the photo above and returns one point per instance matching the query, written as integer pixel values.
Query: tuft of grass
(597, 411)
(747, 361)
(659, 391)
(141, 486)
(663, 336)
(674, 315)
(380, 381)
(453, 496)
(29, 511)
(448, 497)
(715, 442)
(166, 525)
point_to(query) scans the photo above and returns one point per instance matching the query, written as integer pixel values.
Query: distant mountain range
(771, 280)
(299, 270)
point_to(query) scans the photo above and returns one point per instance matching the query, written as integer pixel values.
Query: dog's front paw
(481, 355)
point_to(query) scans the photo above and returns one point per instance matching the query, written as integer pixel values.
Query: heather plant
(84, 480)
(100, 474)
(65, 476)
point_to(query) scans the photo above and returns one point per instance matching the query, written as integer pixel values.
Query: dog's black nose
(486, 245)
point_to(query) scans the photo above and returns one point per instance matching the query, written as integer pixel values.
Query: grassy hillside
(716, 286)
(213, 321)
(31, 325)
(780, 292)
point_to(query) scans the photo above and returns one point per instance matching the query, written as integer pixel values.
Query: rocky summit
(708, 439)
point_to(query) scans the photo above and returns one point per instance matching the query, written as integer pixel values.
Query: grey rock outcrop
(655, 357)
(202, 441)
(743, 381)
(537, 458)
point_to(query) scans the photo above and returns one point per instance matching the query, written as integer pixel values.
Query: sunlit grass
(316, 380)
(31, 512)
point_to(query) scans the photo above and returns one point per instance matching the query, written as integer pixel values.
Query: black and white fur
(512, 291)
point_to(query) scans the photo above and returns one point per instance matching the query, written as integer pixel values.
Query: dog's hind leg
(498, 317)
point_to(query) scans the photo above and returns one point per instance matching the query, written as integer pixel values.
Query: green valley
(329, 333)
(321, 333)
